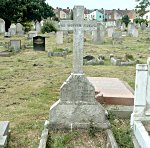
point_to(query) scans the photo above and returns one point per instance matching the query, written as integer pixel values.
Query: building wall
(147, 16)
(63, 15)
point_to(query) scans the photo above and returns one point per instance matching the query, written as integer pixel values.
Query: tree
(126, 20)
(24, 10)
(141, 7)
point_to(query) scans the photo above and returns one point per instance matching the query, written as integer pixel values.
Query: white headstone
(15, 45)
(59, 37)
(2, 26)
(19, 29)
(110, 31)
(38, 27)
(12, 29)
(98, 35)
(77, 106)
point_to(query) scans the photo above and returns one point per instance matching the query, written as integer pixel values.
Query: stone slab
(4, 128)
(112, 91)
(5, 54)
(120, 111)
(3, 141)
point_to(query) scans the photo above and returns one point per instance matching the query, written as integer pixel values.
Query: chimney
(67, 7)
(118, 9)
(126, 9)
(102, 8)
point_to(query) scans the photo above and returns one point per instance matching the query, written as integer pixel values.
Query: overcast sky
(94, 4)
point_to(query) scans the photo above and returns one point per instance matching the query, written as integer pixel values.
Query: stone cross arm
(74, 24)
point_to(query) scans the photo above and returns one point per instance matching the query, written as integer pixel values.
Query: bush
(27, 26)
(48, 26)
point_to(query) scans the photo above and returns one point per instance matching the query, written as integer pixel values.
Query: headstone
(12, 29)
(59, 37)
(143, 26)
(15, 45)
(39, 43)
(2, 26)
(117, 37)
(19, 29)
(135, 32)
(42, 23)
(77, 106)
(32, 34)
(110, 31)
(97, 36)
(38, 27)
(7, 34)
(131, 27)
(123, 27)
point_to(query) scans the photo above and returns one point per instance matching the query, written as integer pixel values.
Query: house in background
(63, 13)
(95, 15)
(147, 16)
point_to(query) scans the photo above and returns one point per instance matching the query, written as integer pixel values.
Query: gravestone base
(77, 107)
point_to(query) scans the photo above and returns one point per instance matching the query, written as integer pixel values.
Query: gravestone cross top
(78, 25)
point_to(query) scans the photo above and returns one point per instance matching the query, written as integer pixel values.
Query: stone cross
(78, 25)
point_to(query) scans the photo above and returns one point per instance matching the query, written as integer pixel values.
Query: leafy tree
(24, 10)
(126, 20)
(141, 7)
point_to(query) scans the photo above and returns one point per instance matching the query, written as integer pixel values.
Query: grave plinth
(77, 106)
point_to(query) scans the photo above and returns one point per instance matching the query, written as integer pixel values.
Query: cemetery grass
(30, 82)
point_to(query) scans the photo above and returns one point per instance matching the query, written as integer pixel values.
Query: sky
(94, 4)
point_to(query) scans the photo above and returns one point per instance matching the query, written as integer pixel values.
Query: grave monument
(77, 106)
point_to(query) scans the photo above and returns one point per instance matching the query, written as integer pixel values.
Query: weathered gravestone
(32, 34)
(117, 37)
(143, 26)
(110, 31)
(39, 43)
(19, 29)
(2, 26)
(38, 27)
(15, 45)
(12, 29)
(77, 107)
(97, 35)
(131, 26)
(59, 37)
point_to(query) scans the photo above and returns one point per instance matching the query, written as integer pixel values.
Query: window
(100, 16)
(147, 17)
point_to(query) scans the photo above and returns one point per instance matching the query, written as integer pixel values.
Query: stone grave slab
(5, 53)
(112, 91)
(3, 141)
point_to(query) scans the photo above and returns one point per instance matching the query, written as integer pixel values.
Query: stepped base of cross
(77, 106)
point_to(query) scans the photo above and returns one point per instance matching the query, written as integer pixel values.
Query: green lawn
(30, 82)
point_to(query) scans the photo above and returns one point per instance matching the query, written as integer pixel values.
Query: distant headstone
(2, 26)
(97, 35)
(77, 107)
(59, 37)
(19, 29)
(32, 34)
(12, 29)
(15, 45)
(7, 35)
(117, 37)
(110, 31)
(143, 26)
(123, 27)
(38, 27)
(131, 26)
(42, 23)
(39, 43)
(135, 32)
